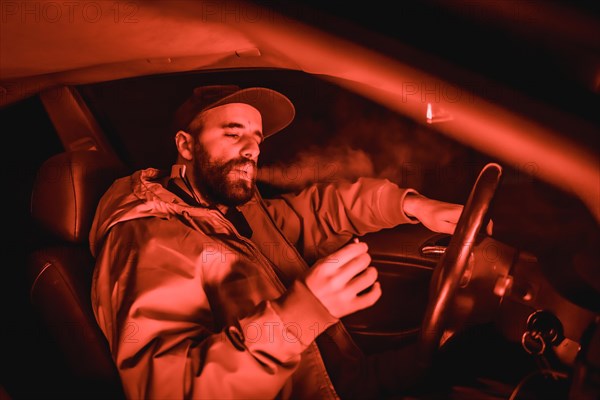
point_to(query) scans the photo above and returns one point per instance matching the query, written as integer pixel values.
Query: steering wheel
(452, 265)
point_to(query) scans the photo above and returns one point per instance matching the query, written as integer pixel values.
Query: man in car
(203, 289)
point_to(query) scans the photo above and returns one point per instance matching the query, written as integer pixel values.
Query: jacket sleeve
(162, 328)
(321, 218)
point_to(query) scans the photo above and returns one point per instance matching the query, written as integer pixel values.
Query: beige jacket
(192, 309)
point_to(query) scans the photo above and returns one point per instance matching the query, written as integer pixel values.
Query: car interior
(511, 315)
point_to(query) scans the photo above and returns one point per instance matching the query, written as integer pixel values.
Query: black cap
(276, 110)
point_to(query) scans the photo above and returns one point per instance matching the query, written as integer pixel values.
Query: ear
(185, 145)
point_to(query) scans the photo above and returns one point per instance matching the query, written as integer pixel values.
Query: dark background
(546, 50)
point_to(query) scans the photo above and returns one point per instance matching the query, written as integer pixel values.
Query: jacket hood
(136, 196)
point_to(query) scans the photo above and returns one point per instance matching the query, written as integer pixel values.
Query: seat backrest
(65, 195)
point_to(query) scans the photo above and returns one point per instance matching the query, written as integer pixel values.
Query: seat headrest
(67, 190)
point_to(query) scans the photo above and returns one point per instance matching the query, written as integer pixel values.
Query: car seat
(65, 195)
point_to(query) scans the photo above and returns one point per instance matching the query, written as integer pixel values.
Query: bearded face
(229, 182)
(226, 145)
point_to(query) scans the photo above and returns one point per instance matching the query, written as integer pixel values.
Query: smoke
(318, 165)
(358, 138)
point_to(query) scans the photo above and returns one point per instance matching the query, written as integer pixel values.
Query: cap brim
(276, 110)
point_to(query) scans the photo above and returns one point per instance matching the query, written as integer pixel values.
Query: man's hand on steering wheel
(435, 215)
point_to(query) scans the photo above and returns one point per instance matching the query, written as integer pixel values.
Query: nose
(250, 149)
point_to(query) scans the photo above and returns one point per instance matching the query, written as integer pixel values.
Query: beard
(230, 183)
